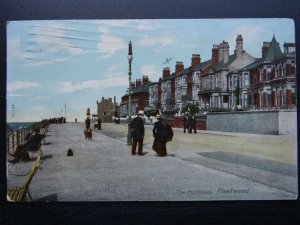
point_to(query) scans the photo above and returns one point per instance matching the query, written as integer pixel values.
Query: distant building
(106, 109)
(139, 97)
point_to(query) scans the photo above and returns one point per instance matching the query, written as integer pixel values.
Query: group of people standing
(189, 123)
(162, 133)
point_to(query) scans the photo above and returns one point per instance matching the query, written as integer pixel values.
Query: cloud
(156, 43)
(13, 46)
(109, 44)
(69, 87)
(251, 37)
(151, 71)
(41, 98)
(46, 40)
(113, 71)
(14, 95)
(162, 41)
(46, 62)
(147, 25)
(18, 85)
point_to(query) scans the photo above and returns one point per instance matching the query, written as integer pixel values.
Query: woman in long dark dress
(159, 143)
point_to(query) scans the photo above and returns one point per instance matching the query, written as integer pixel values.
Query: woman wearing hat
(137, 133)
(159, 143)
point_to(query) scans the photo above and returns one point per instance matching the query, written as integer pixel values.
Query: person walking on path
(137, 133)
(160, 139)
(87, 123)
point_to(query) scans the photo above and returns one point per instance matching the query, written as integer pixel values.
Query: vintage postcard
(151, 110)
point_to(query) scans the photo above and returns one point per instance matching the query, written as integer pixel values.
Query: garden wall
(258, 122)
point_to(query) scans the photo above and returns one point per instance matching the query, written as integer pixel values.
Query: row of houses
(223, 82)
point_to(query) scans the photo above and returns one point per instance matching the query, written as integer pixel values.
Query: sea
(19, 125)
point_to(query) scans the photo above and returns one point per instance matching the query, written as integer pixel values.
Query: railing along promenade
(15, 138)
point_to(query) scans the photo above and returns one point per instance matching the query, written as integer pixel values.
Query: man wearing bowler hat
(137, 133)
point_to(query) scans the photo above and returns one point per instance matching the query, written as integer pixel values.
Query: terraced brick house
(272, 78)
(236, 81)
(139, 97)
(219, 80)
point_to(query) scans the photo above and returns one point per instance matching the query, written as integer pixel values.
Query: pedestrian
(160, 141)
(189, 126)
(185, 123)
(87, 123)
(99, 123)
(137, 133)
(193, 124)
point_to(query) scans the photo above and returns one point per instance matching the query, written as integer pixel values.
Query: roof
(222, 65)
(202, 65)
(153, 83)
(171, 76)
(274, 51)
(253, 65)
(140, 89)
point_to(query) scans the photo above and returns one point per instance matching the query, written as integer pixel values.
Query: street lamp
(130, 57)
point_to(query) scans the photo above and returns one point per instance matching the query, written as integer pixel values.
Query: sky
(62, 67)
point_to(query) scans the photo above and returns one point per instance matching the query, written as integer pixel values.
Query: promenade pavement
(103, 169)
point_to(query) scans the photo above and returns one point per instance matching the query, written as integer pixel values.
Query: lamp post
(130, 57)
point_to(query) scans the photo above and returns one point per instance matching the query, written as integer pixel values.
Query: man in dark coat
(185, 123)
(193, 124)
(87, 123)
(137, 133)
(99, 123)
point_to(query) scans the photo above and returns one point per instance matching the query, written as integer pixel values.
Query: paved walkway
(103, 170)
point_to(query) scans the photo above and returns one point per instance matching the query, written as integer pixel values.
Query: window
(284, 69)
(246, 79)
(269, 72)
(278, 96)
(196, 76)
(245, 100)
(235, 79)
(217, 81)
(216, 101)
(284, 95)
(211, 82)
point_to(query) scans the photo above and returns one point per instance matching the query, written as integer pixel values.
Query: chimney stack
(226, 52)
(221, 52)
(179, 67)
(264, 49)
(145, 79)
(239, 46)
(166, 72)
(215, 54)
(138, 83)
(132, 85)
(196, 60)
